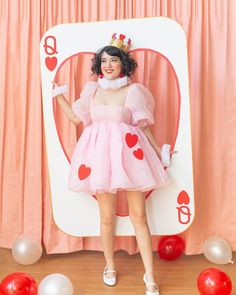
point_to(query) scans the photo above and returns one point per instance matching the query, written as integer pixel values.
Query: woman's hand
(166, 154)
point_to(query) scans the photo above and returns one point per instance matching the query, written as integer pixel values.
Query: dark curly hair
(128, 63)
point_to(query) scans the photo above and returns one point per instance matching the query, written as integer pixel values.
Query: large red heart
(138, 154)
(131, 139)
(51, 62)
(183, 198)
(173, 100)
(83, 172)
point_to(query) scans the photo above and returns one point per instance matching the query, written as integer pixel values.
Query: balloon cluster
(214, 281)
(215, 249)
(20, 283)
(26, 251)
(211, 281)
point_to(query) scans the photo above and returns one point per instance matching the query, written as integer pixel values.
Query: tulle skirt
(115, 156)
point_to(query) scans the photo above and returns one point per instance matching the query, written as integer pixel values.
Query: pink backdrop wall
(25, 206)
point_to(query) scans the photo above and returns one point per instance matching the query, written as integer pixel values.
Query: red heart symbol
(138, 154)
(122, 37)
(183, 198)
(131, 139)
(83, 172)
(51, 62)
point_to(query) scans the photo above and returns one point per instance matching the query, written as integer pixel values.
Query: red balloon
(170, 247)
(213, 281)
(18, 283)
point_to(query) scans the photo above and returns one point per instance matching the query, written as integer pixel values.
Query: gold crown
(120, 41)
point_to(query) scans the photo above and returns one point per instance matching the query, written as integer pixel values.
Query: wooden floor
(84, 269)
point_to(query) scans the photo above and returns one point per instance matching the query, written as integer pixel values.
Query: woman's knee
(138, 218)
(107, 219)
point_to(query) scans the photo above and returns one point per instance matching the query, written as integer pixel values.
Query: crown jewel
(120, 41)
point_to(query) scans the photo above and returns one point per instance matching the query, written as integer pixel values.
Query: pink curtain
(25, 205)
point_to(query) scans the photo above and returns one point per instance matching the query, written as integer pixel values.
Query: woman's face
(110, 66)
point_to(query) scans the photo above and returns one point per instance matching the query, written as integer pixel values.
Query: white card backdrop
(170, 209)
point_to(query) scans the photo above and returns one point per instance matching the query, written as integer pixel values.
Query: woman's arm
(64, 104)
(146, 130)
(67, 109)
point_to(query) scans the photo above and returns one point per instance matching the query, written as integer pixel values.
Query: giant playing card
(171, 208)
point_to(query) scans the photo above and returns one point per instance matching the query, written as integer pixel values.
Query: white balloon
(217, 250)
(26, 250)
(55, 284)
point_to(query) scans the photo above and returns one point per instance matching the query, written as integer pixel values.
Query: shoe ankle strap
(109, 271)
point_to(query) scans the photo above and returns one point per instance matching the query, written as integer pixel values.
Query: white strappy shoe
(150, 284)
(109, 281)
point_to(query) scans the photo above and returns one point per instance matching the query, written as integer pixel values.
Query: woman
(118, 149)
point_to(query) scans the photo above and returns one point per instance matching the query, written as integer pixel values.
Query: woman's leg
(137, 212)
(106, 203)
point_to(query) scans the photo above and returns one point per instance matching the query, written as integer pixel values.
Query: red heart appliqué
(138, 154)
(51, 62)
(183, 198)
(131, 139)
(122, 37)
(83, 172)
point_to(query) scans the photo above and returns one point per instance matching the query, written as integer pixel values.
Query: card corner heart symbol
(51, 62)
(183, 198)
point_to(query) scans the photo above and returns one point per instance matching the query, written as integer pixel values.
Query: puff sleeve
(141, 103)
(81, 106)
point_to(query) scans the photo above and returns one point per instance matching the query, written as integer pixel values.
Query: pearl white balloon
(26, 250)
(217, 250)
(55, 284)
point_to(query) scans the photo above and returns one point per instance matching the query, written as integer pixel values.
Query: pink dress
(113, 153)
